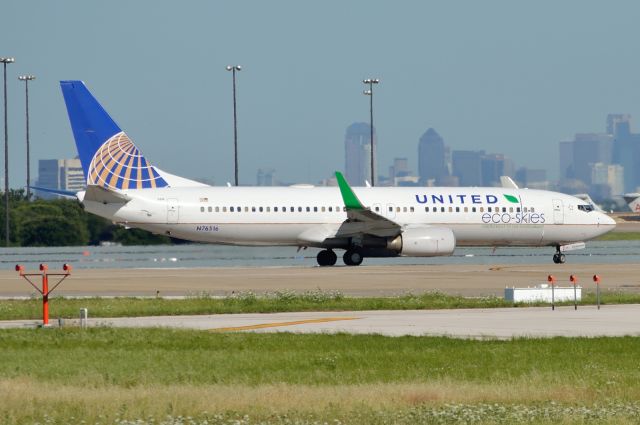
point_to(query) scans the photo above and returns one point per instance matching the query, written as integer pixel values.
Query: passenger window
(217, 209)
(518, 209)
(450, 209)
(510, 209)
(390, 209)
(330, 209)
(488, 209)
(224, 209)
(411, 209)
(299, 209)
(231, 209)
(239, 209)
(457, 209)
(473, 209)
(426, 209)
(524, 209)
(441, 209)
(504, 209)
(377, 209)
(253, 209)
(209, 209)
(275, 209)
(404, 209)
(482, 209)
(201, 209)
(246, 209)
(532, 209)
(315, 209)
(268, 209)
(292, 209)
(398, 209)
(308, 209)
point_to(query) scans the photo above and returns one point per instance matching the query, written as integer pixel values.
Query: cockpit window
(586, 208)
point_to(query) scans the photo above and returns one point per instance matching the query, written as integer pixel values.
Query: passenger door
(558, 211)
(173, 211)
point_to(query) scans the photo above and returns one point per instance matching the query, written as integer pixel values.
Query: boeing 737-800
(124, 187)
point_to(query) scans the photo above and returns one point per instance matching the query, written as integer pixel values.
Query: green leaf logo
(512, 199)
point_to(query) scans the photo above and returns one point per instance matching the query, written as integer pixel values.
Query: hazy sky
(505, 76)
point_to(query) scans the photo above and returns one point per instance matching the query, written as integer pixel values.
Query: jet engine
(424, 241)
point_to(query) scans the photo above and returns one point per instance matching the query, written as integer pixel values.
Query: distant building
(264, 177)
(60, 174)
(357, 149)
(566, 160)
(493, 166)
(610, 175)
(532, 178)
(626, 148)
(467, 166)
(590, 148)
(432, 157)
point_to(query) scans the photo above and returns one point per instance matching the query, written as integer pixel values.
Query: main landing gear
(351, 257)
(559, 257)
(326, 257)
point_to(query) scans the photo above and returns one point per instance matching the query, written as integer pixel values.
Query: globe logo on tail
(118, 164)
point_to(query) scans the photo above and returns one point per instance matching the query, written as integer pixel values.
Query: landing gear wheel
(326, 257)
(559, 258)
(352, 257)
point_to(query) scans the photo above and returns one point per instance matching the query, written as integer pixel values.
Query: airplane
(125, 188)
(633, 200)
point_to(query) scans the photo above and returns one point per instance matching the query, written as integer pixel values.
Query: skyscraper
(357, 150)
(432, 157)
(494, 166)
(589, 148)
(62, 174)
(467, 166)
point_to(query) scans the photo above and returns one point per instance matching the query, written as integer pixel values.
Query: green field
(107, 376)
(620, 236)
(269, 303)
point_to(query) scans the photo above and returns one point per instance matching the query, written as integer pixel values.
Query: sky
(508, 77)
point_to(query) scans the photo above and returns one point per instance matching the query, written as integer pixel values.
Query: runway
(501, 323)
(365, 280)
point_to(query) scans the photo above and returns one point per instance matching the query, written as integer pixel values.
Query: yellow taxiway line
(277, 324)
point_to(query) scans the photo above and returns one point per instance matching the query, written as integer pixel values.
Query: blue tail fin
(109, 158)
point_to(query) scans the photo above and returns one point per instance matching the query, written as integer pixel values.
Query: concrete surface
(503, 323)
(365, 280)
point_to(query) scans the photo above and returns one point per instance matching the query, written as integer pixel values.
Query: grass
(249, 302)
(620, 236)
(103, 375)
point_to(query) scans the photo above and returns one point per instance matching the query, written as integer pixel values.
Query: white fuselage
(307, 216)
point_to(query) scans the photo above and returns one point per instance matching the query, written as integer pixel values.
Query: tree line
(64, 222)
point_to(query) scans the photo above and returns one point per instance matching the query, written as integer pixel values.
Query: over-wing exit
(124, 187)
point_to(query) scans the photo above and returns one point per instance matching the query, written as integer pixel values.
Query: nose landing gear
(559, 257)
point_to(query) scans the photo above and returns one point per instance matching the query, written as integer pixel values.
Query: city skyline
(494, 76)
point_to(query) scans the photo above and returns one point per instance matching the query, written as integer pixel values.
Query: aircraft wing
(361, 220)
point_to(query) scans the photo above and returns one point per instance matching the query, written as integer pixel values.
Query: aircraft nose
(606, 221)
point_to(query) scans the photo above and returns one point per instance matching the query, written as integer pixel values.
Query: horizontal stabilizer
(105, 196)
(65, 193)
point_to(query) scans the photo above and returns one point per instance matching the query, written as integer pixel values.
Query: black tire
(562, 259)
(323, 258)
(556, 258)
(352, 257)
(332, 257)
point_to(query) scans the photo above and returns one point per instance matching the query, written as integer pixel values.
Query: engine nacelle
(424, 242)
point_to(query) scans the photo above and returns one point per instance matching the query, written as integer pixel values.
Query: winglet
(349, 198)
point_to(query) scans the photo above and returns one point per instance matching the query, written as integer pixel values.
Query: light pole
(233, 69)
(369, 92)
(4, 62)
(26, 79)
